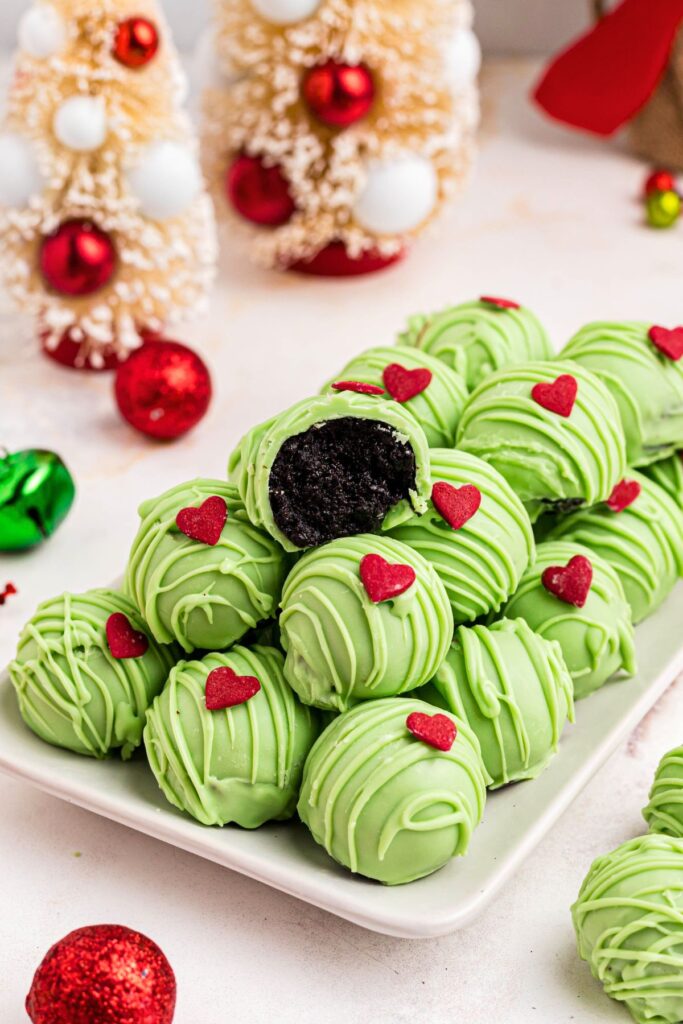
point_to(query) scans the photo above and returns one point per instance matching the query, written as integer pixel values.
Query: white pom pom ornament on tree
(346, 126)
(106, 230)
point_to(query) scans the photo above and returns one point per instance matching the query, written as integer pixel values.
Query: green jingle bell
(36, 493)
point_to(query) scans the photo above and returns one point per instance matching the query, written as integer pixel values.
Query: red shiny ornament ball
(136, 42)
(77, 259)
(660, 181)
(338, 94)
(334, 261)
(105, 974)
(260, 194)
(163, 389)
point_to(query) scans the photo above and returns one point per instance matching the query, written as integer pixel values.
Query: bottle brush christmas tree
(106, 230)
(342, 125)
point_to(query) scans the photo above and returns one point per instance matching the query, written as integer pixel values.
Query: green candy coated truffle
(515, 692)
(549, 460)
(437, 409)
(201, 595)
(385, 804)
(643, 543)
(668, 473)
(647, 386)
(341, 647)
(629, 925)
(241, 764)
(477, 338)
(597, 640)
(72, 692)
(251, 462)
(664, 812)
(481, 563)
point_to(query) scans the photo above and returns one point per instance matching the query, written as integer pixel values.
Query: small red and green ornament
(662, 199)
(36, 494)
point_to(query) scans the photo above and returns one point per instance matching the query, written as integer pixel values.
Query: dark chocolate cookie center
(339, 478)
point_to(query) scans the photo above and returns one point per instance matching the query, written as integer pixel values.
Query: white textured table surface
(550, 219)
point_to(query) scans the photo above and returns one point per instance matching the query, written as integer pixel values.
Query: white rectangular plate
(285, 857)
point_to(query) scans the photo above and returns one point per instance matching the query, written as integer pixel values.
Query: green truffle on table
(629, 926)
(639, 532)
(86, 671)
(515, 692)
(340, 464)
(552, 429)
(227, 738)
(664, 811)
(642, 366)
(362, 618)
(477, 338)
(668, 473)
(574, 597)
(383, 800)
(434, 394)
(476, 533)
(199, 571)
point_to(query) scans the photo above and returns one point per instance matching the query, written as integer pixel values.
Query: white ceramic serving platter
(285, 857)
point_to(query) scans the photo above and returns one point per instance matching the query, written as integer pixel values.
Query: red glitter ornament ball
(258, 193)
(338, 94)
(105, 974)
(77, 259)
(163, 389)
(660, 181)
(136, 42)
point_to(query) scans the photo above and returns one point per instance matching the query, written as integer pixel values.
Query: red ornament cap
(77, 259)
(225, 689)
(383, 580)
(456, 505)
(403, 384)
(439, 731)
(163, 389)
(559, 396)
(123, 640)
(104, 974)
(623, 495)
(259, 193)
(358, 386)
(136, 42)
(204, 524)
(659, 181)
(570, 583)
(492, 300)
(338, 94)
(668, 341)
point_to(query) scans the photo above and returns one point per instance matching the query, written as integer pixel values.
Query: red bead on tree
(259, 193)
(136, 42)
(77, 259)
(338, 94)
(660, 181)
(163, 389)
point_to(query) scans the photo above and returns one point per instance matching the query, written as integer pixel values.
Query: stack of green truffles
(392, 602)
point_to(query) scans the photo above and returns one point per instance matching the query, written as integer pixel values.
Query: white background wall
(504, 25)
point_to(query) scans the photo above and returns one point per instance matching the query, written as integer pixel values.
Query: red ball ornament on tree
(77, 259)
(334, 261)
(338, 94)
(136, 42)
(163, 389)
(105, 974)
(69, 350)
(258, 193)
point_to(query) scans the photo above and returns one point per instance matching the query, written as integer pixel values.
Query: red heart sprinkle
(7, 592)
(403, 384)
(570, 583)
(558, 396)
(225, 689)
(456, 505)
(437, 730)
(383, 580)
(491, 300)
(205, 523)
(623, 495)
(123, 640)
(669, 342)
(358, 386)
